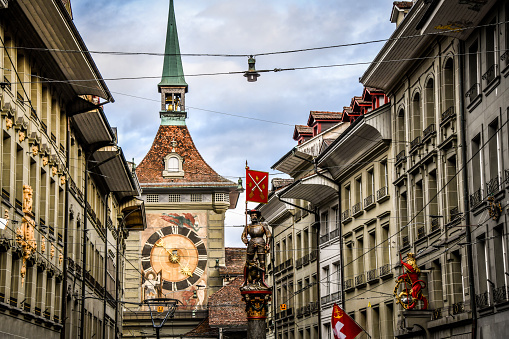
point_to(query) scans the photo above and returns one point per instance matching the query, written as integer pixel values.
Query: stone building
(424, 78)
(182, 250)
(484, 88)
(67, 191)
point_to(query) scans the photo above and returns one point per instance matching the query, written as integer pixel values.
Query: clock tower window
(173, 166)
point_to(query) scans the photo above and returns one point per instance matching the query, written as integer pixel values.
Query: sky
(231, 120)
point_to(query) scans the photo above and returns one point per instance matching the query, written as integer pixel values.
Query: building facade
(182, 250)
(67, 191)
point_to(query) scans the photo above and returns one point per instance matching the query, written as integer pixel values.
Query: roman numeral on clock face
(173, 286)
(160, 232)
(202, 257)
(198, 271)
(145, 259)
(199, 243)
(174, 229)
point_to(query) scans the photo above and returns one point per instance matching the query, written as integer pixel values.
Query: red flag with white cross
(257, 186)
(343, 326)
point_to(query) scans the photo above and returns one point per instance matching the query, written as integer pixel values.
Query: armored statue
(257, 248)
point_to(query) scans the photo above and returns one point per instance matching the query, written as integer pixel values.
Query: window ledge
(492, 85)
(168, 174)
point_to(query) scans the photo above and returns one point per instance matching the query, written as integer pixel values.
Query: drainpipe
(318, 271)
(84, 259)
(66, 233)
(106, 196)
(465, 189)
(117, 275)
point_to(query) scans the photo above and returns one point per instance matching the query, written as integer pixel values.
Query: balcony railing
(458, 308)
(314, 306)
(382, 193)
(492, 186)
(473, 92)
(421, 232)
(348, 284)
(6, 195)
(435, 224)
(356, 208)
(289, 263)
(437, 313)
(371, 275)
(385, 270)
(334, 296)
(298, 263)
(414, 143)
(334, 234)
(360, 279)
(476, 198)
(482, 300)
(454, 214)
(500, 294)
(449, 113)
(428, 132)
(324, 238)
(369, 200)
(345, 215)
(326, 299)
(400, 156)
(405, 241)
(299, 312)
(305, 259)
(313, 255)
(490, 74)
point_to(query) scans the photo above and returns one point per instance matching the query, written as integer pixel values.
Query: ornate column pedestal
(257, 299)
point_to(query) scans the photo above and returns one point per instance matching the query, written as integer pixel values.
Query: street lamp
(251, 74)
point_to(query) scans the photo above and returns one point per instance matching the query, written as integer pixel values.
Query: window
(196, 197)
(473, 66)
(347, 198)
(494, 151)
(152, 198)
(173, 165)
(430, 105)
(477, 167)
(416, 116)
(324, 223)
(335, 215)
(326, 275)
(173, 197)
(400, 131)
(371, 183)
(221, 197)
(448, 88)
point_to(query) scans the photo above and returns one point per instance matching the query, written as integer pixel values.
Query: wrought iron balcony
(305, 259)
(414, 143)
(421, 232)
(490, 74)
(449, 113)
(437, 313)
(458, 307)
(428, 132)
(334, 234)
(345, 215)
(298, 263)
(6, 195)
(382, 193)
(356, 208)
(405, 241)
(348, 284)
(385, 270)
(289, 263)
(473, 92)
(371, 275)
(369, 200)
(314, 306)
(324, 238)
(476, 198)
(482, 300)
(360, 279)
(493, 186)
(325, 299)
(435, 224)
(454, 214)
(307, 309)
(313, 255)
(400, 156)
(500, 294)
(299, 312)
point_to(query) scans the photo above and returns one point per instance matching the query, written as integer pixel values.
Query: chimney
(400, 10)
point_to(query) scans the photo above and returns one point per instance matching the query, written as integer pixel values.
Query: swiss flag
(343, 326)
(257, 186)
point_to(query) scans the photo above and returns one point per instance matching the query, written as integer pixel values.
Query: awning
(110, 164)
(314, 189)
(93, 128)
(57, 31)
(292, 160)
(134, 214)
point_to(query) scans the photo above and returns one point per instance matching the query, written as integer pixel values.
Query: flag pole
(245, 192)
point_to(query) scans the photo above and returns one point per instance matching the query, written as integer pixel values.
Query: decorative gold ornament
(494, 208)
(8, 123)
(412, 286)
(62, 180)
(25, 234)
(257, 303)
(44, 161)
(43, 245)
(54, 170)
(6, 216)
(52, 251)
(60, 258)
(35, 150)
(21, 136)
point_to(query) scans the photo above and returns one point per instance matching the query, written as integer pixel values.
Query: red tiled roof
(235, 258)
(320, 115)
(403, 4)
(226, 307)
(303, 129)
(278, 183)
(196, 171)
(203, 330)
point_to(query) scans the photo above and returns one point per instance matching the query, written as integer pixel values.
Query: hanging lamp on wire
(251, 74)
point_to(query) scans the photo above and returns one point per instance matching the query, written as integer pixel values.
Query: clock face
(178, 253)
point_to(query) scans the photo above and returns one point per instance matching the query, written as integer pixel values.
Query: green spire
(173, 73)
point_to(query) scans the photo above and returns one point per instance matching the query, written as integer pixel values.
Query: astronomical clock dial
(178, 253)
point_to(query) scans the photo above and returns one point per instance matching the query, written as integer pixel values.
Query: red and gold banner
(257, 186)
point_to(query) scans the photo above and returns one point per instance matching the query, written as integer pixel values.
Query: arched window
(448, 85)
(173, 164)
(430, 103)
(416, 116)
(400, 128)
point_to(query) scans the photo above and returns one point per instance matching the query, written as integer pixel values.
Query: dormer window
(173, 166)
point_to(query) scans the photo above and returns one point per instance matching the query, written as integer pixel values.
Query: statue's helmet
(258, 213)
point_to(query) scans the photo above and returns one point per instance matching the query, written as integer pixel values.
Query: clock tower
(179, 254)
